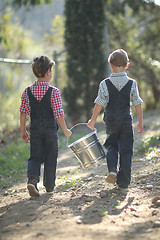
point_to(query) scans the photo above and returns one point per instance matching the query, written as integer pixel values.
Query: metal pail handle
(85, 124)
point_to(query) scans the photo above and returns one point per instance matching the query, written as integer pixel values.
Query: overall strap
(110, 85)
(118, 100)
(41, 110)
(46, 95)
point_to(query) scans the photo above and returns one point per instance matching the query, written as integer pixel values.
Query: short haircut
(41, 65)
(119, 58)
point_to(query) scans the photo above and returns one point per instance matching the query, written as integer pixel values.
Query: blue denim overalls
(119, 142)
(43, 139)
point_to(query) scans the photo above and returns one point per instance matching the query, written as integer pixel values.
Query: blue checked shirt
(119, 80)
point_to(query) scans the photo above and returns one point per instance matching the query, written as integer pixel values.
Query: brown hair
(119, 58)
(41, 65)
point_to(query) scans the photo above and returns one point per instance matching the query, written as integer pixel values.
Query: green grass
(148, 144)
(116, 202)
(67, 181)
(104, 213)
(13, 162)
(70, 184)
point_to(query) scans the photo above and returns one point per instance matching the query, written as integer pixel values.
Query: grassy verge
(149, 144)
(13, 162)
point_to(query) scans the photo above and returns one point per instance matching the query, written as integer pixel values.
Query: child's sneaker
(111, 178)
(32, 188)
(123, 188)
(49, 190)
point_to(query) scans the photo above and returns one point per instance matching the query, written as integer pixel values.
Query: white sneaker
(123, 189)
(111, 178)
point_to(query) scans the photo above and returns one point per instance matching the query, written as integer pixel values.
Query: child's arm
(96, 111)
(140, 118)
(62, 124)
(24, 133)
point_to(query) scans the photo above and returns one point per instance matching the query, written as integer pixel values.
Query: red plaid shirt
(39, 89)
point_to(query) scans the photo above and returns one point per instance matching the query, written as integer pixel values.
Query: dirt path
(83, 206)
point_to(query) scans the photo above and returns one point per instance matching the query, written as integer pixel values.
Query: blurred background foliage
(85, 62)
(131, 25)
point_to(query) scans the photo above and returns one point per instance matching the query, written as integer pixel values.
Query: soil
(84, 206)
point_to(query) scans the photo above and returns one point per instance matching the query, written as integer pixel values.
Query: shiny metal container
(88, 149)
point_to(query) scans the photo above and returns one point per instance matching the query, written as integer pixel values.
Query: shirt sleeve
(103, 97)
(25, 106)
(56, 103)
(135, 98)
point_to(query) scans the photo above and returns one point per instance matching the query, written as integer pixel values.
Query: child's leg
(50, 163)
(34, 163)
(126, 153)
(36, 147)
(112, 152)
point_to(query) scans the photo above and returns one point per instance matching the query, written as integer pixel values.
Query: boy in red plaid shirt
(44, 106)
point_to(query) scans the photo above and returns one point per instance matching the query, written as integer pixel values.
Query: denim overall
(119, 142)
(43, 139)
